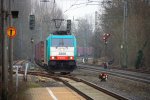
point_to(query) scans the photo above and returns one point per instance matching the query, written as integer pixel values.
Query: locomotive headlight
(53, 57)
(71, 58)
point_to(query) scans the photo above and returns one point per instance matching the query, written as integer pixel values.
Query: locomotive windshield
(61, 42)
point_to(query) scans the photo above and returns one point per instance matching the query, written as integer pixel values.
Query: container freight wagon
(61, 53)
(82, 51)
(39, 53)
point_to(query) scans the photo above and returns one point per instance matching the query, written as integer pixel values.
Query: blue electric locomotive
(61, 52)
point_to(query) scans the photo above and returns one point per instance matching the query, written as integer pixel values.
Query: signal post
(105, 38)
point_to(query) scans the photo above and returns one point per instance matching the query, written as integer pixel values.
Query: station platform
(51, 93)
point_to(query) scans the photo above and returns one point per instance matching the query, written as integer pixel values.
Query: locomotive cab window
(62, 42)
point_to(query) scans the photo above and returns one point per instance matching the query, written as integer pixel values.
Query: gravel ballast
(125, 87)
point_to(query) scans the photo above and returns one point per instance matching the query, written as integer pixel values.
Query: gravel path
(130, 89)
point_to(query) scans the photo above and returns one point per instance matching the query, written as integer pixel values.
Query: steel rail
(123, 75)
(122, 69)
(119, 97)
(57, 77)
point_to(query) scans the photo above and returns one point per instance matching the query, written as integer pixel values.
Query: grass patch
(23, 87)
(18, 95)
(33, 85)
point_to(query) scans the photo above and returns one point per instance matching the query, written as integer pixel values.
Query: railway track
(140, 77)
(118, 68)
(19, 62)
(86, 89)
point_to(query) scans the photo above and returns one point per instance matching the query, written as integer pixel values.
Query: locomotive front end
(62, 57)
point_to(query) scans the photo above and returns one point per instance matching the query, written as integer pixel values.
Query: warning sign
(11, 32)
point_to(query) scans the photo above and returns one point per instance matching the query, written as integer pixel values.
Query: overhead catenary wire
(79, 7)
(86, 3)
(71, 6)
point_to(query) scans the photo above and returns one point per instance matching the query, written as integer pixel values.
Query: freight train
(58, 53)
(82, 51)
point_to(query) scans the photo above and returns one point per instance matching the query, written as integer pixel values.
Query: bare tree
(137, 30)
(44, 13)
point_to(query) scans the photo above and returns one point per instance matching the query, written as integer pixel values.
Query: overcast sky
(77, 8)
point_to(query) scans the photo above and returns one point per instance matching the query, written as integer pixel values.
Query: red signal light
(108, 34)
(104, 38)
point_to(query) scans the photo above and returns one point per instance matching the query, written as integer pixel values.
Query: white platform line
(51, 93)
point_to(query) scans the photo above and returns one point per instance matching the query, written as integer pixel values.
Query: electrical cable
(71, 6)
(86, 3)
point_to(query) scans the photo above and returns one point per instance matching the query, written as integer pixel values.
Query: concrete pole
(10, 48)
(125, 55)
(4, 54)
(96, 29)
